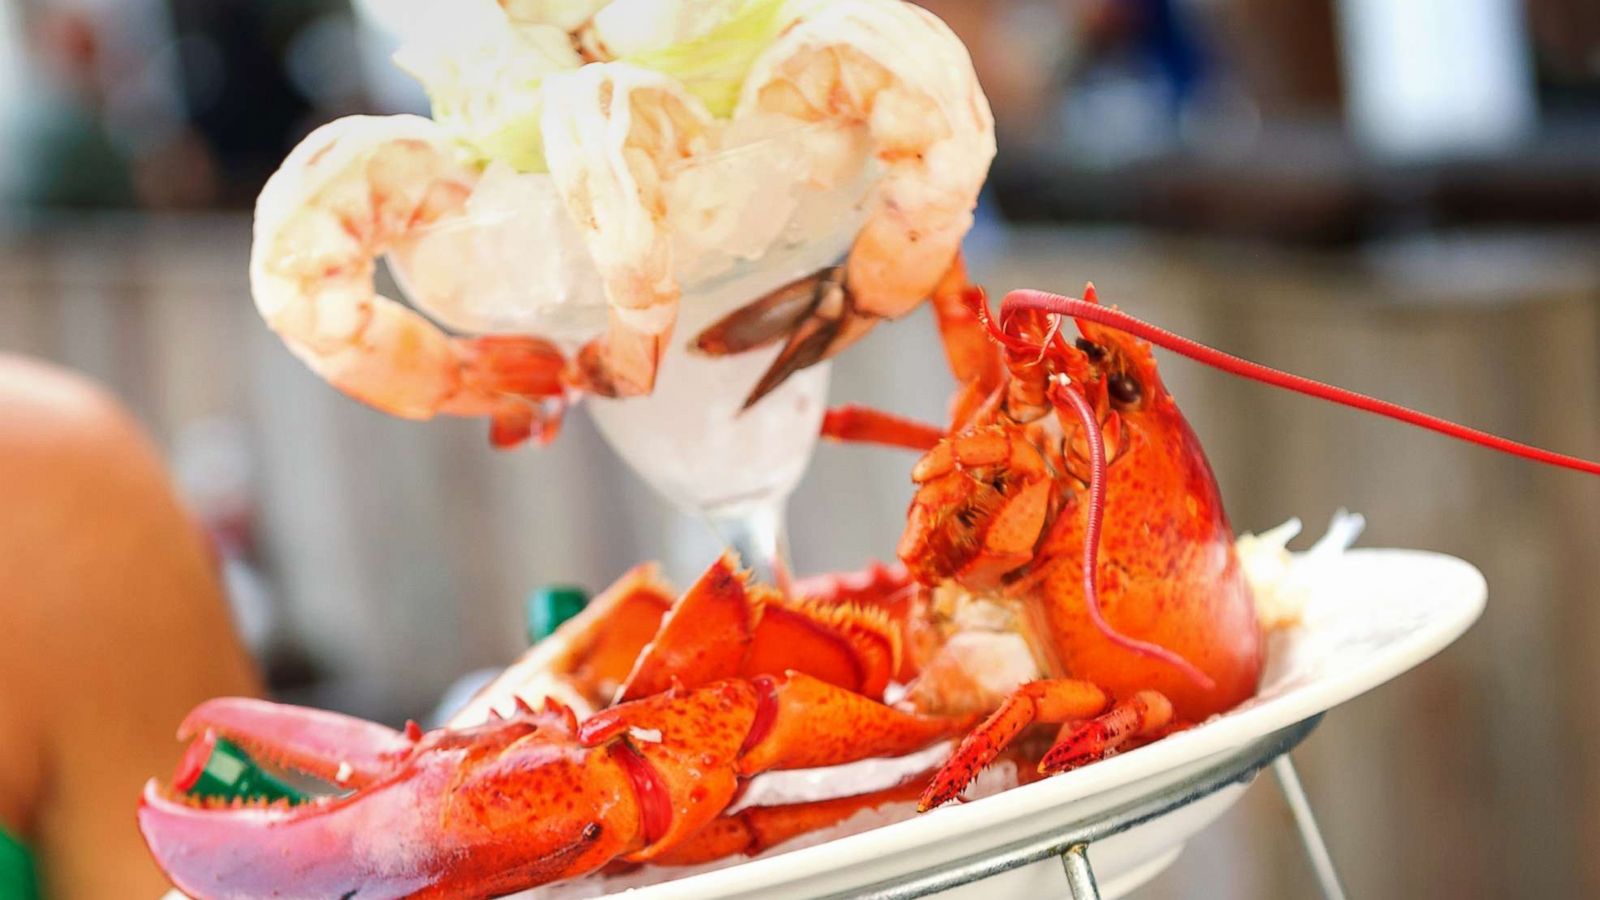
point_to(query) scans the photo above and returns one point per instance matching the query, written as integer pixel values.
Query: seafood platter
(676, 212)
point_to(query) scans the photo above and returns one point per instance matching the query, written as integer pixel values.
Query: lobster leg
(974, 359)
(1050, 700)
(1142, 714)
(815, 316)
(864, 425)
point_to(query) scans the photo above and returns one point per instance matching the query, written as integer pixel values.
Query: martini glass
(752, 221)
(691, 441)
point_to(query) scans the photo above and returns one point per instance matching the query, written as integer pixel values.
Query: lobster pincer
(520, 800)
(405, 808)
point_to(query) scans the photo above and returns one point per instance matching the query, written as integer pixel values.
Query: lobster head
(405, 808)
(988, 493)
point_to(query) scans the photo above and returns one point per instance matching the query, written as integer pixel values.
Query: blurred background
(1400, 196)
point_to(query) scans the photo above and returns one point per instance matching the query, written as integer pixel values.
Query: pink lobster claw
(418, 804)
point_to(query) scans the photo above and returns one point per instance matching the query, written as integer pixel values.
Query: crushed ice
(1281, 580)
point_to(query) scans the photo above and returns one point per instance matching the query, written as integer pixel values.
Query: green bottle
(214, 766)
(549, 607)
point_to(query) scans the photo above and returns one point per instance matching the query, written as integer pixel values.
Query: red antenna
(1066, 395)
(1112, 318)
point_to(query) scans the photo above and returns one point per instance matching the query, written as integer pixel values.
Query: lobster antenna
(1068, 396)
(1043, 301)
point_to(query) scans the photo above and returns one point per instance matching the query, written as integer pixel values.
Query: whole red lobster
(1068, 561)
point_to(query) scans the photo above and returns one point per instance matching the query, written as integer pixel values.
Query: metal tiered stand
(1072, 844)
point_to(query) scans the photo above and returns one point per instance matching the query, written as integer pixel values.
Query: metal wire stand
(1072, 844)
(1310, 834)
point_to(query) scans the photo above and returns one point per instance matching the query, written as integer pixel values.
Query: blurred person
(65, 156)
(1566, 35)
(77, 136)
(114, 626)
(1017, 48)
(238, 62)
(1028, 53)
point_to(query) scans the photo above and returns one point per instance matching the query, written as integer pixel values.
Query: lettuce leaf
(484, 70)
(568, 15)
(485, 84)
(713, 62)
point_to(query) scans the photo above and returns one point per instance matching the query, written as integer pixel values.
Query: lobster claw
(250, 849)
(342, 749)
(818, 314)
(473, 812)
(340, 848)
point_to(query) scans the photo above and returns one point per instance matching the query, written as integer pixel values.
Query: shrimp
(620, 147)
(568, 15)
(896, 72)
(613, 133)
(352, 190)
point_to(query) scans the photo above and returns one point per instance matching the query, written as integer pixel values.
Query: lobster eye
(1094, 351)
(1124, 389)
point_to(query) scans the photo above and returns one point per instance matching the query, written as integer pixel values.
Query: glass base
(759, 538)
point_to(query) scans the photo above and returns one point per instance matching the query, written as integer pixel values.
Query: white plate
(1372, 615)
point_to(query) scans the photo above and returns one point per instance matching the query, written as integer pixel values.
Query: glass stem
(758, 535)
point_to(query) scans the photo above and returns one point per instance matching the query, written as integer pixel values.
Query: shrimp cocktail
(691, 201)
